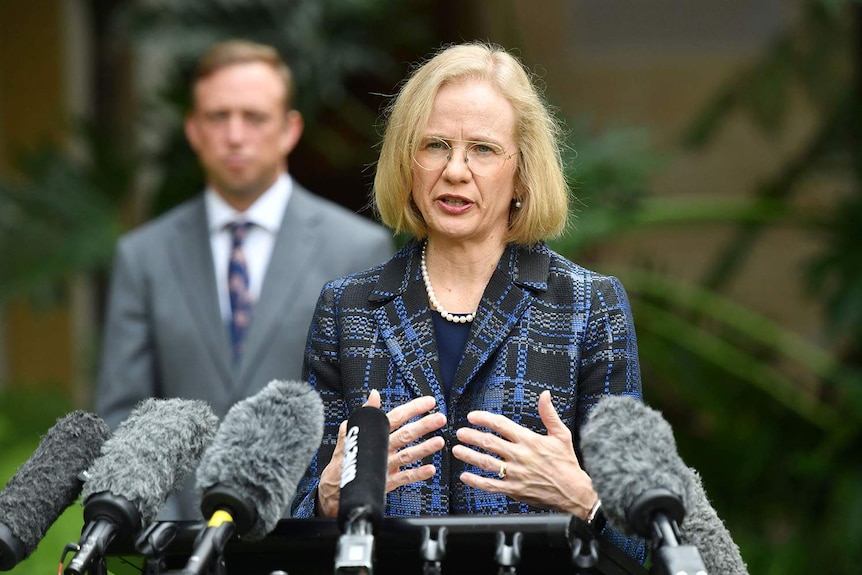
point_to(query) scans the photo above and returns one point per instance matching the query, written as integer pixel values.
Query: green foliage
(54, 221)
(820, 57)
(770, 420)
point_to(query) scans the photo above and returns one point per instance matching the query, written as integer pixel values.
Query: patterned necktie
(240, 298)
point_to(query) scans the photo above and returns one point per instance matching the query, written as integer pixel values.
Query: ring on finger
(502, 473)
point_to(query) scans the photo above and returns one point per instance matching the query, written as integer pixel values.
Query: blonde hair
(232, 52)
(540, 181)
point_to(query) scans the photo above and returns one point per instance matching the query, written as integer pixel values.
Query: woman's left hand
(541, 470)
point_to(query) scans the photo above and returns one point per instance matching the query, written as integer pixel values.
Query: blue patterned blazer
(543, 323)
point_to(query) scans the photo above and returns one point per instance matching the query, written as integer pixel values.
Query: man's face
(241, 130)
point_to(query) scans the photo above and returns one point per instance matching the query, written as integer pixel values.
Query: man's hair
(540, 180)
(232, 52)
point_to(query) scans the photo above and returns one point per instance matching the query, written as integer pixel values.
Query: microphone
(47, 483)
(148, 457)
(250, 472)
(363, 489)
(630, 453)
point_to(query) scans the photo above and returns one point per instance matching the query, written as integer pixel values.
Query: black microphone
(645, 487)
(47, 483)
(363, 489)
(148, 457)
(250, 472)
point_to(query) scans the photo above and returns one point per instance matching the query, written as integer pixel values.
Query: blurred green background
(714, 147)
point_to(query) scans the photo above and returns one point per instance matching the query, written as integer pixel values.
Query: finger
(484, 440)
(339, 441)
(408, 476)
(373, 399)
(498, 423)
(398, 416)
(484, 483)
(412, 454)
(481, 460)
(413, 431)
(550, 417)
(338, 452)
(328, 490)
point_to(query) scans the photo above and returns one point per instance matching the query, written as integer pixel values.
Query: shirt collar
(266, 212)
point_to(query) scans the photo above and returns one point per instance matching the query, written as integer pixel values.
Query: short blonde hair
(540, 185)
(232, 52)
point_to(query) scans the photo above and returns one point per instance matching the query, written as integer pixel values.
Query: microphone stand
(656, 515)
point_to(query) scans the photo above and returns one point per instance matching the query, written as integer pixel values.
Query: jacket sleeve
(609, 366)
(322, 370)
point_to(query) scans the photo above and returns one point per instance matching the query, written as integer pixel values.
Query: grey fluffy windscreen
(263, 447)
(152, 452)
(47, 483)
(703, 528)
(629, 448)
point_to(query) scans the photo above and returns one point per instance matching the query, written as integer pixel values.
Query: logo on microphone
(348, 467)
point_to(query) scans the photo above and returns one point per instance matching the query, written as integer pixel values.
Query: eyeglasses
(483, 158)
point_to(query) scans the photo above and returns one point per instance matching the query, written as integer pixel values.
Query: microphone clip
(508, 556)
(153, 544)
(355, 552)
(433, 550)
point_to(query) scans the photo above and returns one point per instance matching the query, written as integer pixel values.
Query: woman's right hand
(401, 435)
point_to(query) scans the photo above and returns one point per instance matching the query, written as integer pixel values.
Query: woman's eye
(436, 145)
(483, 149)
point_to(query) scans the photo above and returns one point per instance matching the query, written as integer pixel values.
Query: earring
(517, 204)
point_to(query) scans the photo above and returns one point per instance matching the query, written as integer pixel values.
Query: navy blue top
(451, 339)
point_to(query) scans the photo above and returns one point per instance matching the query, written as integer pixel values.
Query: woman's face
(456, 202)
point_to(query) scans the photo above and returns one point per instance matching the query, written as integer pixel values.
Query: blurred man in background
(213, 299)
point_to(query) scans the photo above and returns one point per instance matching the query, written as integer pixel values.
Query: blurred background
(714, 148)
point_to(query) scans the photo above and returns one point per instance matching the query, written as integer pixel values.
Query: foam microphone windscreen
(628, 449)
(47, 483)
(364, 468)
(703, 528)
(152, 452)
(261, 451)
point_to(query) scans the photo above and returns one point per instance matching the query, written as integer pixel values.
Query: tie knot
(239, 230)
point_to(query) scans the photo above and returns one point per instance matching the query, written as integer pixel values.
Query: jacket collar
(524, 266)
(404, 316)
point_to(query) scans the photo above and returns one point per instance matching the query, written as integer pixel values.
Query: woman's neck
(459, 272)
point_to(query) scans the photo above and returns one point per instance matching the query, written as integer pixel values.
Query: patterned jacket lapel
(406, 325)
(506, 298)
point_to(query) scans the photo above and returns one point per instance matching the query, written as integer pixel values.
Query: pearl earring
(517, 204)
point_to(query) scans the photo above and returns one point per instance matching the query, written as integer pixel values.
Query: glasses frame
(468, 145)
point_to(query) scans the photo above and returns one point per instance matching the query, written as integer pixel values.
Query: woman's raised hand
(402, 434)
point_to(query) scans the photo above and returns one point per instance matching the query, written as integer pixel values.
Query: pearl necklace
(435, 303)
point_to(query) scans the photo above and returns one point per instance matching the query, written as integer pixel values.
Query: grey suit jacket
(164, 336)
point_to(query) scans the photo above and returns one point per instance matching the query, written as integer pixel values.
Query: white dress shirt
(266, 214)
